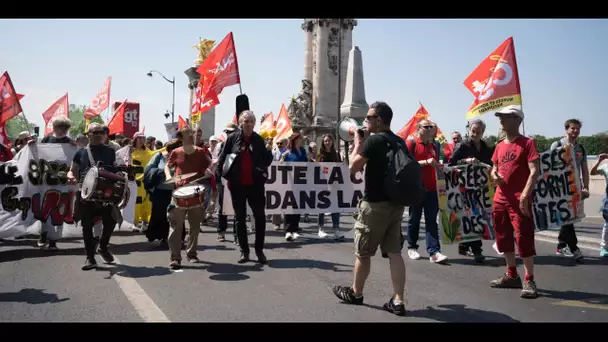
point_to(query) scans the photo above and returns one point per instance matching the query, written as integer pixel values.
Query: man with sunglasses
(426, 152)
(379, 221)
(105, 156)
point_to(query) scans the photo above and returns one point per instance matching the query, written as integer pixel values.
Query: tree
(16, 125)
(78, 121)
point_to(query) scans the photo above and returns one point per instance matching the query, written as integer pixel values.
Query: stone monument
(316, 109)
(354, 104)
(207, 122)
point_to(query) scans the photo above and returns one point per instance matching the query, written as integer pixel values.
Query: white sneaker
(578, 255)
(495, 246)
(277, 227)
(288, 236)
(413, 254)
(438, 258)
(295, 235)
(337, 234)
(322, 233)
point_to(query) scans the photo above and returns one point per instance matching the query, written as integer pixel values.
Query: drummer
(86, 210)
(186, 159)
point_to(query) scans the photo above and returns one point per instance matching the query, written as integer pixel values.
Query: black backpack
(403, 181)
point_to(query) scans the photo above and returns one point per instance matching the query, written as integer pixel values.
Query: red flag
(220, 69)
(100, 102)
(410, 128)
(283, 126)
(181, 123)
(4, 140)
(60, 107)
(9, 99)
(495, 81)
(117, 122)
(235, 119)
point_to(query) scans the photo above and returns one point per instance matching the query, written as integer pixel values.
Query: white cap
(213, 138)
(511, 110)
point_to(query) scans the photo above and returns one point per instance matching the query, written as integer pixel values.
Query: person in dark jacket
(160, 195)
(472, 150)
(246, 178)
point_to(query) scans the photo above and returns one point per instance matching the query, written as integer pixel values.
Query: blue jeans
(430, 205)
(335, 220)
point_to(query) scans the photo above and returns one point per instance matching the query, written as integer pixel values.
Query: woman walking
(295, 152)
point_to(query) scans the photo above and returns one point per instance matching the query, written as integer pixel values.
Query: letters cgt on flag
(495, 82)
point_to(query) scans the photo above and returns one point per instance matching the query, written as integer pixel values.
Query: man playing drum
(187, 199)
(103, 156)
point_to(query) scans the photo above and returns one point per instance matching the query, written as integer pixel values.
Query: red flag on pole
(9, 99)
(59, 108)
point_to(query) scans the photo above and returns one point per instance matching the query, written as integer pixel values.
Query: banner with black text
(557, 193)
(308, 188)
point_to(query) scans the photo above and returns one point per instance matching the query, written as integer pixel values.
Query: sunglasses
(98, 132)
(428, 127)
(369, 117)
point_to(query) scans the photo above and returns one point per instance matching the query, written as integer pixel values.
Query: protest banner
(34, 190)
(557, 196)
(308, 188)
(465, 203)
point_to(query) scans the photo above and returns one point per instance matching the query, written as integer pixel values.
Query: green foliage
(16, 125)
(78, 121)
(594, 144)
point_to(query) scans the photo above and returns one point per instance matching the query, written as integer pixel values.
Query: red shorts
(508, 219)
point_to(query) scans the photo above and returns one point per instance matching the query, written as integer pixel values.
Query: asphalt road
(294, 286)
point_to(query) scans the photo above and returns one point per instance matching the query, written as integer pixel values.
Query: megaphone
(348, 127)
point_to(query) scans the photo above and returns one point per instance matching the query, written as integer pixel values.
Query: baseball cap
(511, 110)
(213, 138)
(230, 127)
(138, 135)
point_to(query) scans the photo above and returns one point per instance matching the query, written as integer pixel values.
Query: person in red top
(425, 151)
(515, 170)
(449, 148)
(246, 176)
(185, 159)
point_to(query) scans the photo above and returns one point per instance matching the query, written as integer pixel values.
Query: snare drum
(189, 196)
(105, 187)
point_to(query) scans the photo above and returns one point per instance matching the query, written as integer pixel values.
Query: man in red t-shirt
(515, 170)
(185, 159)
(425, 151)
(449, 148)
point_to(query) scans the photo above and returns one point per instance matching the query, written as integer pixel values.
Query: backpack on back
(403, 181)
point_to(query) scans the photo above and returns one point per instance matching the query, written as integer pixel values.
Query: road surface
(294, 286)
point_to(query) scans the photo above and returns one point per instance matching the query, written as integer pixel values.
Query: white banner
(557, 193)
(34, 190)
(308, 188)
(35, 194)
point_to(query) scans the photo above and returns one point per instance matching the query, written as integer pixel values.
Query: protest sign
(557, 196)
(465, 203)
(34, 190)
(308, 188)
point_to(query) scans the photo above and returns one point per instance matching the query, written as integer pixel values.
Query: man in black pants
(246, 180)
(86, 210)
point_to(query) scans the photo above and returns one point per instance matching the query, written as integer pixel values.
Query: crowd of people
(240, 161)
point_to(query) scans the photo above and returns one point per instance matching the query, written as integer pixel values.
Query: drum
(105, 187)
(189, 196)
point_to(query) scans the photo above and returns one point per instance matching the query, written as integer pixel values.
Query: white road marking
(580, 245)
(143, 304)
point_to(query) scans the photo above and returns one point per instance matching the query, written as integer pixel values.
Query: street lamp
(173, 83)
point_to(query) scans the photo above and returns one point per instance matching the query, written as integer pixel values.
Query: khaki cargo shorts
(378, 224)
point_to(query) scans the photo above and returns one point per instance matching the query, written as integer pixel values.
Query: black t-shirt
(104, 154)
(375, 149)
(51, 139)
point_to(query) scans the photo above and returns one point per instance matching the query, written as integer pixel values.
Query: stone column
(308, 26)
(347, 44)
(354, 104)
(207, 123)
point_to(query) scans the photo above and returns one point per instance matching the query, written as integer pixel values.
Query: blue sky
(562, 65)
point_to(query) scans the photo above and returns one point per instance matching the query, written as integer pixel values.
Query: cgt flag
(495, 82)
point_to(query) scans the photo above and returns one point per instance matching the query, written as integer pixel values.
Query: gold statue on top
(204, 48)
